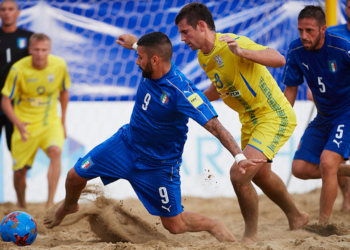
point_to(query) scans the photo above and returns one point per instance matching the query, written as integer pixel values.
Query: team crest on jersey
(40, 90)
(87, 163)
(22, 42)
(50, 78)
(219, 60)
(333, 66)
(164, 98)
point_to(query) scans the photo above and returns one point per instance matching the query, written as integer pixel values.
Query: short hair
(195, 12)
(157, 43)
(12, 1)
(312, 11)
(38, 37)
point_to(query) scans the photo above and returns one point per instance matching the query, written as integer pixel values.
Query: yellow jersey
(36, 92)
(245, 86)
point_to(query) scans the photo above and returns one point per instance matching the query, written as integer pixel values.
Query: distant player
(35, 83)
(148, 151)
(13, 46)
(323, 59)
(343, 29)
(236, 67)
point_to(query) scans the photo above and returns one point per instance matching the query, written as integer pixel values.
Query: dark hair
(157, 43)
(312, 11)
(194, 12)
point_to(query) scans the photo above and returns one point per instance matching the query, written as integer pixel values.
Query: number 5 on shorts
(164, 194)
(339, 133)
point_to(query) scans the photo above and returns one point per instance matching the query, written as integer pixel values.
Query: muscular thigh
(319, 135)
(339, 136)
(270, 134)
(158, 188)
(52, 135)
(23, 153)
(111, 160)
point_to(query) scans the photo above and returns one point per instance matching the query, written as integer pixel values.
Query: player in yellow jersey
(236, 67)
(35, 83)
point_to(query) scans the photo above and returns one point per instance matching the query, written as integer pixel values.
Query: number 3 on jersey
(146, 101)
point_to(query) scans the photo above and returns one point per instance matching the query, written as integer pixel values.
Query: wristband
(134, 46)
(240, 157)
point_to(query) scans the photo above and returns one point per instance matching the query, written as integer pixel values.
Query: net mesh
(84, 33)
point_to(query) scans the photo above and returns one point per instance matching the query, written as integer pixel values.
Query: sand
(104, 223)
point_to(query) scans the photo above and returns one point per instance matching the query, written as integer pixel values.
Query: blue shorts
(321, 134)
(156, 185)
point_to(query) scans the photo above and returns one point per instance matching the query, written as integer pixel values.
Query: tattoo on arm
(215, 127)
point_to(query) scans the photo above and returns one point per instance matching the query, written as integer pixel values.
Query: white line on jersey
(307, 66)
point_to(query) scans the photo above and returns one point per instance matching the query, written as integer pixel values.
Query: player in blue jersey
(147, 152)
(344, 182)
(324, 60)
(343, 29)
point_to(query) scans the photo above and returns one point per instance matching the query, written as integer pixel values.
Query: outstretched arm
(127, 41)
(268, 57)
(215, 127)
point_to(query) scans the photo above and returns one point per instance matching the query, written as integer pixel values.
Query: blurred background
(84, 33)
(105, 79)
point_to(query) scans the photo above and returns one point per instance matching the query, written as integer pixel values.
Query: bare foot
(248, 240)
(21, 205)
(49, 204)
(323, 219)
(300, 221)
(221, 233)
(345, 206)
(53, 219)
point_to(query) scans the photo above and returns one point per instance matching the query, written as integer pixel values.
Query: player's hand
(244, 164)
(232, 44)
(127, 40)
(23, 130)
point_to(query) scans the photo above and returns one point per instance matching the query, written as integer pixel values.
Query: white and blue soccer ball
(19, 227)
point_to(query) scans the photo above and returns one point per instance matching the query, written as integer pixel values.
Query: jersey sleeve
(193, 103)
(246, 43)
(292, 75)
(12, 82)
(66, 83)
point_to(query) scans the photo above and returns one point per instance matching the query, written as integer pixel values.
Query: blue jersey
(341, 29)
(327, 72)
(158, 126)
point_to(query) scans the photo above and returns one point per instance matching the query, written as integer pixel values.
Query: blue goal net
(84, 33)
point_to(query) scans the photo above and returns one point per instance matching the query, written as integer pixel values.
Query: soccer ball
(18, 227)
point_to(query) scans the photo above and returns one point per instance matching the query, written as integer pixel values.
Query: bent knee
(304, 170)
(328, 168)
(237, 178)
(174, 225)
(72, 176)
(173, 229)
(54, 152)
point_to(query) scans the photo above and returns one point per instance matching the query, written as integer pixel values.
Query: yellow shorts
(23, 153)
(270, 133)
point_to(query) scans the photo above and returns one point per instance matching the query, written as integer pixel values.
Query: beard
(147, 72)
(315, 44)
